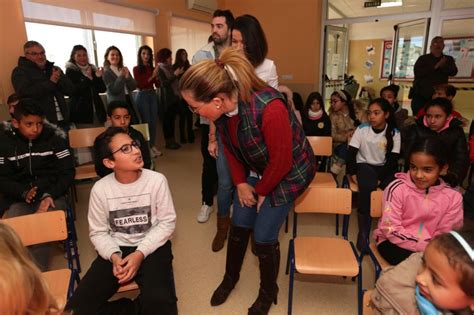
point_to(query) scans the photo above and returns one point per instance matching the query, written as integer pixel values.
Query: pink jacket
(412, 217)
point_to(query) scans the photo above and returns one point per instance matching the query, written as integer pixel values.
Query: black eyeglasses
(127, 148)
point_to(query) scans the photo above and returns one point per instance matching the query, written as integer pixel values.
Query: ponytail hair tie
(219, 63)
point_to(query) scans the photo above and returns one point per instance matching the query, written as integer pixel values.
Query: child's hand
(349, 135)
(354, 179)
(130, 265)
(45, 204)
(116, 268)
(30, 195)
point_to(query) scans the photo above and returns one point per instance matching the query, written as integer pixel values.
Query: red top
(276, 131)
(142, 78)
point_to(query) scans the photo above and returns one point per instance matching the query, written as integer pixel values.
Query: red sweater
(142, 78)
(278, 137)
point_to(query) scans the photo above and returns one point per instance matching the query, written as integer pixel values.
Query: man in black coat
(430, 70)
(37, 78)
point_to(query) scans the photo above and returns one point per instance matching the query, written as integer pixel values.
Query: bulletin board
(462, 50)
(386, 56)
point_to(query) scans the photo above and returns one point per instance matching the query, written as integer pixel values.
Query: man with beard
(37, 78)
(221, 26)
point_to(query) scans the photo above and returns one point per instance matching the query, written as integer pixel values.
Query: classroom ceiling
(355, 8)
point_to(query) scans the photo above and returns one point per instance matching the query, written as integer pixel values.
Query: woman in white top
(248, 36)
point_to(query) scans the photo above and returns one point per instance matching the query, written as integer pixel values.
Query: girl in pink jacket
(418, 205)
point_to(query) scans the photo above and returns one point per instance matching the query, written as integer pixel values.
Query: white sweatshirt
(137, 214)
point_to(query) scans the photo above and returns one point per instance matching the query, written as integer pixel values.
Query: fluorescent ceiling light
(390, 4)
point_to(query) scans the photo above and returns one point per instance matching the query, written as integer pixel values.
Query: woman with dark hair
(118, 80)
(168, 94)
(270, 160)
(86, 106)
(146, 76)
(248, 36)
(186, 132)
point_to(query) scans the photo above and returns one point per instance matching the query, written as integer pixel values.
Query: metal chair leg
(292, 277)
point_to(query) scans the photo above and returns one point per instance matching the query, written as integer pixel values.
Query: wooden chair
(83, 138)
(322, 146)
(129, 286)
(323, 255)
(376, 200)
(42, 228)
(366, 309)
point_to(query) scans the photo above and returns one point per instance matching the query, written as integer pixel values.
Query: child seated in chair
(448, 92)
(36, 167)
(119, 116)
(438, 281)
(131, 220)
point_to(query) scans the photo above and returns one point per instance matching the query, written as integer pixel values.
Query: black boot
(269, 259)
(364, 222)
(236, 248)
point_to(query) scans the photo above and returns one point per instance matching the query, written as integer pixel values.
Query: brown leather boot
(221, 235)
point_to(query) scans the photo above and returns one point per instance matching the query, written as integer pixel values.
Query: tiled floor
(198, 270)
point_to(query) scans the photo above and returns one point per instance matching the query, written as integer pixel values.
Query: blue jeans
(266, 223)
(341, 152)
(225, 187)
(148, 108)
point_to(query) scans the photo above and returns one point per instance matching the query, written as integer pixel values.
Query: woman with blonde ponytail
(270, 161)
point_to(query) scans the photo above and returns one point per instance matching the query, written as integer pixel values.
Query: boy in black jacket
(119, 116)
(36, 166)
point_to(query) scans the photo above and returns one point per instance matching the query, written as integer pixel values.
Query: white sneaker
(155, 151)
(204, 213)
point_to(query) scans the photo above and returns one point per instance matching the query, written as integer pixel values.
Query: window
(189, 34)
(58, 47)
(59, 25)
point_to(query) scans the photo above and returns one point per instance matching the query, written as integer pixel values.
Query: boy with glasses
(131, 220)
(119, 116)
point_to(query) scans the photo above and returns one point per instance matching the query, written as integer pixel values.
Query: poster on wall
(386, 64)
(462, 50)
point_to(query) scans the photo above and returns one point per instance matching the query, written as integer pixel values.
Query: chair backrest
(376, 199)
(324, 200)
(143, 128)
(84, 138)
(39, 228)
(322, 146)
